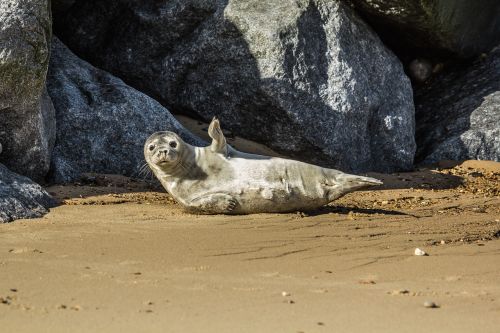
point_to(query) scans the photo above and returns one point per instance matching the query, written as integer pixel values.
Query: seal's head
(163, 150)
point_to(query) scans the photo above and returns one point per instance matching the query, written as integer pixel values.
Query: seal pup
(219, 179)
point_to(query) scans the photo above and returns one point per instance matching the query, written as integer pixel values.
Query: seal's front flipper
(216, 203)
(219, 144)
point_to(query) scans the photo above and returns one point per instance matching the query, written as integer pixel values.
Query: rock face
(102, 123)
(20, 198)
(441, 27)
(307, 78)
(458, 115)
(27, 123)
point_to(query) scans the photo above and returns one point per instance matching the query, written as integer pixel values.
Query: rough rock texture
(27, 123)
(458, 115)
(307, 78)
(435, 27)
(21, 198)
(102, 123)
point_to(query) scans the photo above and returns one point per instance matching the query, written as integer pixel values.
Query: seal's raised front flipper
(219, 144)
(345, 183)
(216, 203)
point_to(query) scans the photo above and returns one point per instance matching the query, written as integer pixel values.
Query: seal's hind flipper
(219, 144)
(345, 183)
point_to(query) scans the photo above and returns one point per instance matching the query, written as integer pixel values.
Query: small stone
(478, 210)
(419, 252)
(366, 281)
(443, 242)
(430, 305)
(285, 294)
(400, 292)
(5, 300)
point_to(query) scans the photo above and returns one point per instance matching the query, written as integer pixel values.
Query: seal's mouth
(164, 158)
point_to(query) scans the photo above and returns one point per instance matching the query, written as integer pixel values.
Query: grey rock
(307, 78)
(458, 114)
(21, 198)
(102, 124)
(462, 28)
(27, 123)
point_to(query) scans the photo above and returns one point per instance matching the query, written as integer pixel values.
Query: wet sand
(119, 255)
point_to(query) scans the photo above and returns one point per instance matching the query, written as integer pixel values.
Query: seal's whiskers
(145, 171)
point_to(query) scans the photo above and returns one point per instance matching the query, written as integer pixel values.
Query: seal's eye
(173, 144)
(151, 147)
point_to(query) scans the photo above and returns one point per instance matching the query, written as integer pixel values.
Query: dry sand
(119, 255)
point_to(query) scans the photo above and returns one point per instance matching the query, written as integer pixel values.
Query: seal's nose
(163, 151)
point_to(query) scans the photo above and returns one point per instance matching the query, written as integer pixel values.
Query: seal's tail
(346, 183)
(359, 182)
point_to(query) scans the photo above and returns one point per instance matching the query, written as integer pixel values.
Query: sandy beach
(119, 255)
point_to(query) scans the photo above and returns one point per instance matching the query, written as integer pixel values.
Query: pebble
(478, 210)
(366, 281)
(400, 292)
(430, 305)
(419, 252)
(6, 300)
(285, 294)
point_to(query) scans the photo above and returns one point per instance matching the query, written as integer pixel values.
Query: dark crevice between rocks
(444, 106)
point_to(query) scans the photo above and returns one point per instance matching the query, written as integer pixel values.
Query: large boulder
(21, 198)
(102, 123)
(458, 114)
(442, 28)
(307, 78)
(27, 123)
